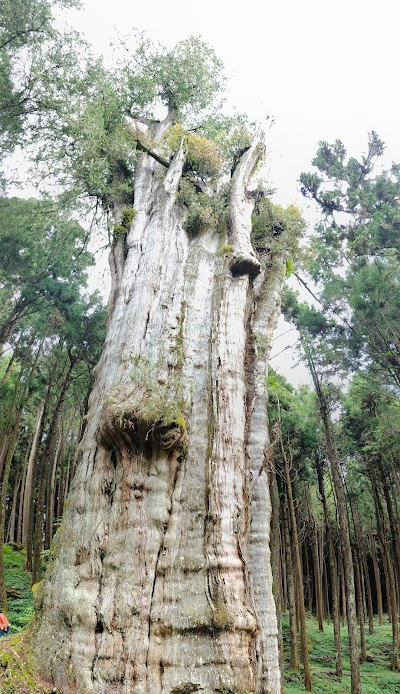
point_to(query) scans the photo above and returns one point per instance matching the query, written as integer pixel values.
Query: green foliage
(232, 135)
(226, 249)
(293, 411)
(43, 264)
(273, 225)
(27, 77)
(20, 610)
(203, 210)
(354, 252)
(186, 79)
(95, 151)
(289, 267)
(127, 216)
(202, 157)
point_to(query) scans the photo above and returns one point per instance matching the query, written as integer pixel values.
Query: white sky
(323, 70)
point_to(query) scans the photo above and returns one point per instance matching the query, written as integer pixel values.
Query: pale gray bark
(161, 579)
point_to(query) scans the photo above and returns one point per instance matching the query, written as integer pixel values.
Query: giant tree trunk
(161, 580)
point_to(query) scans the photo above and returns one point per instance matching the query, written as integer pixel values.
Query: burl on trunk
(160, 579)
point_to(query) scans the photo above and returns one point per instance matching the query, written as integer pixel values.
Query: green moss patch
(17, 670)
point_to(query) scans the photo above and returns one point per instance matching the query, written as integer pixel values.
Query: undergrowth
(19, 610)
(376, 676)
(17, 674)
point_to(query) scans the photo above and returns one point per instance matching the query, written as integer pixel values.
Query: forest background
(357, 207)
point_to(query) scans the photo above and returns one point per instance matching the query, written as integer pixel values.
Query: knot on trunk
(136, 416)
(242, 264)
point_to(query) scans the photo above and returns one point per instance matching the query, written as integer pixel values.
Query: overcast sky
(322, 70)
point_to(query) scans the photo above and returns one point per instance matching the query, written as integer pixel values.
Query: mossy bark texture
(160, 579)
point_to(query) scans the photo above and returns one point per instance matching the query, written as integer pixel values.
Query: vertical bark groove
(160, 577)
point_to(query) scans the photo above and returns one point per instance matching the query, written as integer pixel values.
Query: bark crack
(177, 461)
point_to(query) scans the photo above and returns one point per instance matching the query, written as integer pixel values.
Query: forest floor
(376, 677)
(17, 674)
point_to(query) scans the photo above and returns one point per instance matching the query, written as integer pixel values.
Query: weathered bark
(276, 564)
(162, 581)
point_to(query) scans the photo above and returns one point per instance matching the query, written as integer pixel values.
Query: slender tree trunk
(294, 648)
(3, 501)
(308, 580)
(29, 473)
(44, 469)
(332, 571)
(360, 606)
(298, 573)
(342, 590)
(20, 507)
(13, 512)
(358, 555)
(377, 576)
(344, 531)
(393, 524)
(368, 591)
(317, 566)
(390, 581)
(3, 454)
(51, 496)
(161, 580)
